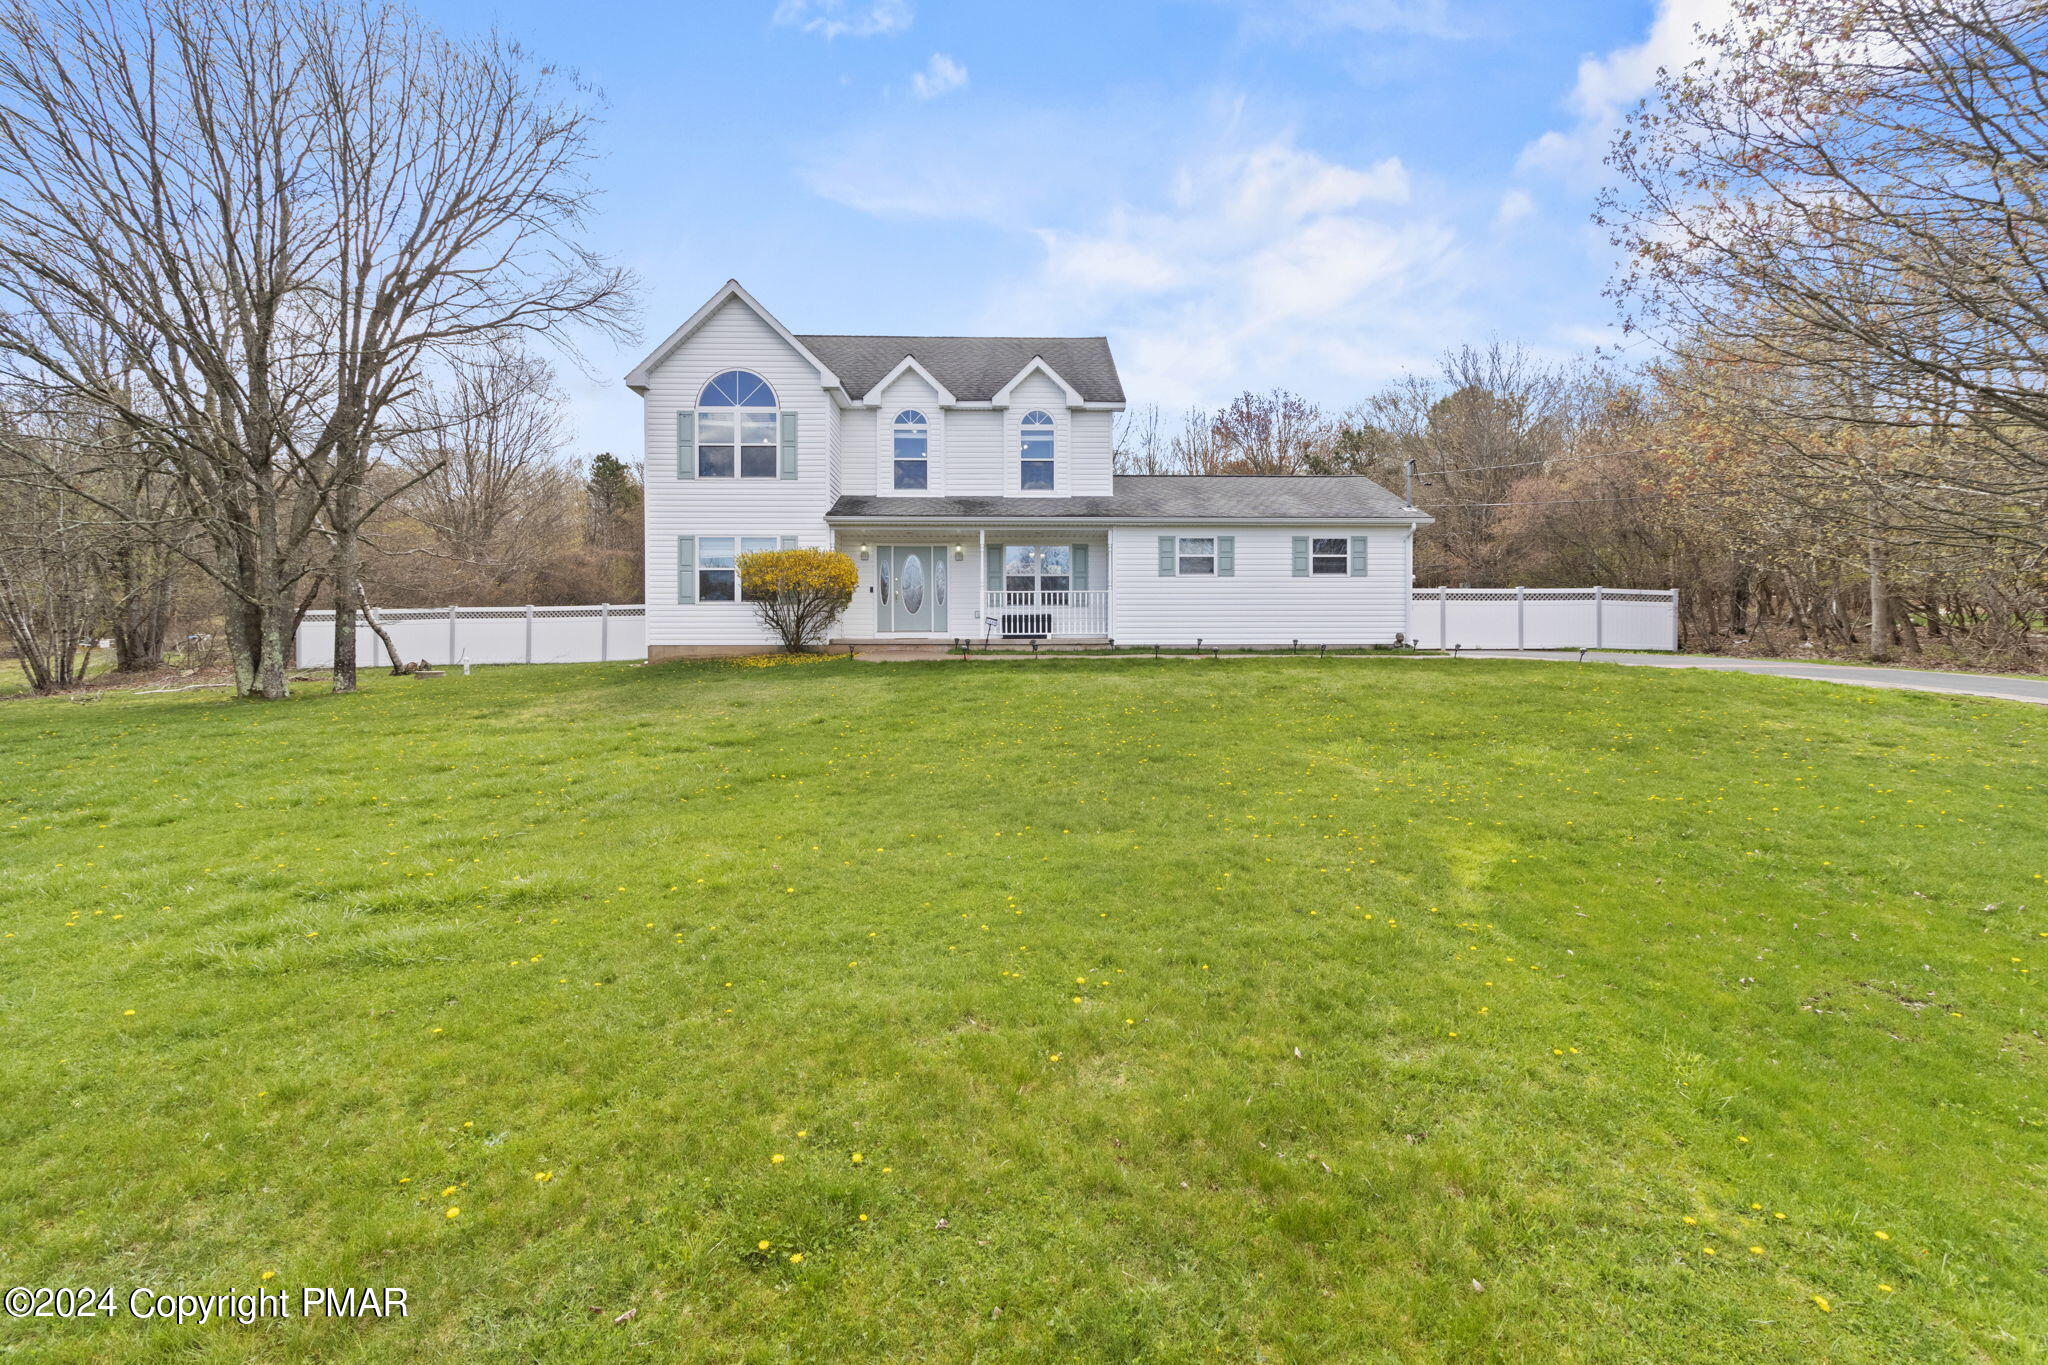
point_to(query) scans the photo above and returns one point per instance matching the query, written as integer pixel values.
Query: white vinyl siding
(1089, 441)
(733, 337)
(975, 464)
(1261, 602)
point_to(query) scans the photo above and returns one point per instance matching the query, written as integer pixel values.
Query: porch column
(1109, 581)
(980, 576)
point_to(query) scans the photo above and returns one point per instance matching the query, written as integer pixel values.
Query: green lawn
(1284, 1010)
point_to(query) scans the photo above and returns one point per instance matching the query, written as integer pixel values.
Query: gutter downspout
(1408, 598)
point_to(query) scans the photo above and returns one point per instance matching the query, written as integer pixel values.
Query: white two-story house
(970, 479)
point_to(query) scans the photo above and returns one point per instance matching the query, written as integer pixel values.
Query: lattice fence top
(1547, 594)
(590, 613)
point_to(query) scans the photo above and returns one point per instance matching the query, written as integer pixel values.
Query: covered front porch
(978, 581)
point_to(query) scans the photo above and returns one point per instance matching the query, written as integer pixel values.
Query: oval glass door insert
(911, 585)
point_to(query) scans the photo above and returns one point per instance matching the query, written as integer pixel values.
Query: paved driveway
(1905, 679)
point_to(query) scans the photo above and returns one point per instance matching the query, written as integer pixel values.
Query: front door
(911, 588)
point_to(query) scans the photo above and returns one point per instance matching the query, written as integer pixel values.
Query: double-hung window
(1329, 555)
(736, 428)
(912, 451)
(1031, 569)
(718, 573)
(1197, 555)
(1035, 453)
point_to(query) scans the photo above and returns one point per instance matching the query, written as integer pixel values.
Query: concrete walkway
(1905, 679)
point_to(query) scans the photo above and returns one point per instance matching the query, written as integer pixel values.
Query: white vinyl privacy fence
(485, 635)
(1442, 618)
(1545, 618)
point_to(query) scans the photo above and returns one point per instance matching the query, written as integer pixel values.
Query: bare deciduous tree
(488, 479)
(1857, 191)
(251, 231)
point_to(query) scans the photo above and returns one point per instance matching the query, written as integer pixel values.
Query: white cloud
(1608, 85)
(940, 75)
(841, 19)
(1514, 206)
(1260, 264)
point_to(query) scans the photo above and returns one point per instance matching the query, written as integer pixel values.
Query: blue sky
(1318, 194)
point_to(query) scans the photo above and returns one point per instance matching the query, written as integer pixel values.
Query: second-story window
(736, 428)
(1034, 453)
(912, 450)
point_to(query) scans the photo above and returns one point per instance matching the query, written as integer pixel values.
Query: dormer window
(1035, 453)
(912, 451)
(736, 428)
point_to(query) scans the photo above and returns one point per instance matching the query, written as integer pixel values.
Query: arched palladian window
(912, 451)
(1034, 453)
(736, 428)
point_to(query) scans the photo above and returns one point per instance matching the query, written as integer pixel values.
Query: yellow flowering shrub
(798, 594)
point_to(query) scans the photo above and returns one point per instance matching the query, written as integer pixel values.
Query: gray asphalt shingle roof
(1167, 497)
(974, 368)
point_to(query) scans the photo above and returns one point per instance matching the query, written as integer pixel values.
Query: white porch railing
(1021, 614)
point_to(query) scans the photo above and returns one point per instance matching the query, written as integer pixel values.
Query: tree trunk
(390, 649)
(142, 615)
(1908, 635)
(1880, 610)
(347, 597)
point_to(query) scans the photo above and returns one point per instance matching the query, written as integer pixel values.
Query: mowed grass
(1283, 1010)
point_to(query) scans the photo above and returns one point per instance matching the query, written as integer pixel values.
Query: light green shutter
(1166, 562)
(1226, 556)
(1301, 556)
(1358, 544)
(686, 445)
(788, 445)
(789, 542)
(995, 568)
(686, 568)
(1080, 553)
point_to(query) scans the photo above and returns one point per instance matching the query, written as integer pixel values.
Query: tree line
(282, 285)
(1832, 230)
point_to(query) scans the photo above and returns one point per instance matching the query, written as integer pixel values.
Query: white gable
(642, 374)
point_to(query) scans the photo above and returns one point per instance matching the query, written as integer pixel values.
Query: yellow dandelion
(796, 1257)
(543, 1177)
(450, 1190)
(1756, 1251)
(777, 1159)
(453, 1213)
(858, 1158)
(1822, 1304)
(764, 1244)
(1884, 1236)
(1887, 1289)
